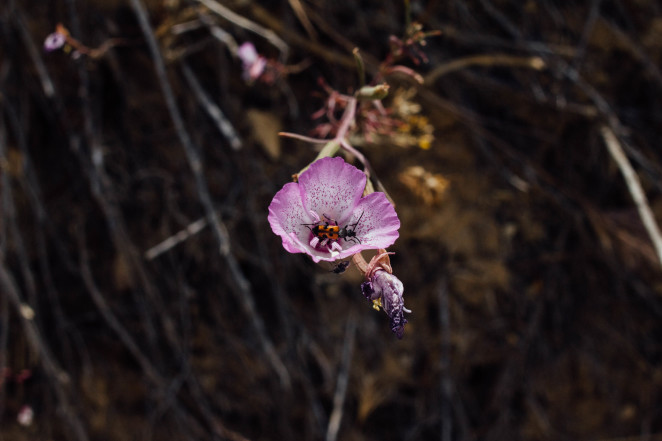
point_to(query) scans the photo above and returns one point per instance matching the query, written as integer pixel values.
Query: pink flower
(54, 41)
(328, 195)
(25, 416)
(57, 39)
(252, 62)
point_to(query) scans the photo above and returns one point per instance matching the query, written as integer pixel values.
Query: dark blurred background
(534, 285)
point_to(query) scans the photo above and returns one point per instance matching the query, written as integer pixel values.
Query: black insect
(340, 268)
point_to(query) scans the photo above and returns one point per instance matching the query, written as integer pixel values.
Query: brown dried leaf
(266, 126)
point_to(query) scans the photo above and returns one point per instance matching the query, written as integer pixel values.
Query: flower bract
(325, 216)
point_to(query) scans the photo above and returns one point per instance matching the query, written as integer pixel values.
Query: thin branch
(446, 382)
(191, 230)
(107, 314)
(59, 379)
(214, 111)
(245, 23)
(219, 33)
(634, 186)
(300, 12)
(343, 379)
(304, 138)
(486, 60)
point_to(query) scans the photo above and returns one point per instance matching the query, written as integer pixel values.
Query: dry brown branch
(343, 378)
(487, 60)
(243, 22)
(312, 47)
(58, 379)
(301, 14)
(177, 238)
(634, 187)
(213, 110)
(446, 385)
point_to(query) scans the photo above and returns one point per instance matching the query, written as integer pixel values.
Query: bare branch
(343, 379)
(245, 23)
(634, 187)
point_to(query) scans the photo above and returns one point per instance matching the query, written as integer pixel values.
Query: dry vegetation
(535, 286)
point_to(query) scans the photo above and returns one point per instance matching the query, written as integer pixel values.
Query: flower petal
(286, 216)
(332, 187)
(379, 223)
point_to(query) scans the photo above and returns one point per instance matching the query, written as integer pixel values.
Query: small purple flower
(54, 41)
(253, 63)
(330, 191)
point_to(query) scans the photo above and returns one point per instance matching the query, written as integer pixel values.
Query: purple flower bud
(387, 287)
(54, 41)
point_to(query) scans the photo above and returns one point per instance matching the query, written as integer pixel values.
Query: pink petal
(256, 69)
(332, 187)
(286, 216)
(247, 53)
(379, 223)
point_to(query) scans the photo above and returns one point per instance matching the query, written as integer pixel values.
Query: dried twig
(300, 12)
(59, 379)
(486, 60)
(295, 38)
(446, 382)
(634, 187)
(245, 23)
(177, 238)
(343, 379)
(214, 111)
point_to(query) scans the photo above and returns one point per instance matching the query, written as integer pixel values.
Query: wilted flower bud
(389, 290)
(385, 290)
